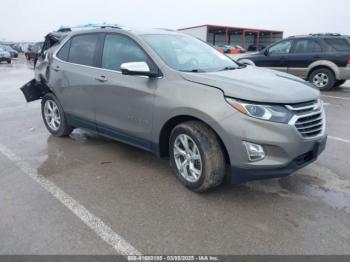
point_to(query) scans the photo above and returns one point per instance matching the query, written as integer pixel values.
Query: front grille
(309, 119)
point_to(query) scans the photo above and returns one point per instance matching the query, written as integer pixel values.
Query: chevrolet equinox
(174, 95)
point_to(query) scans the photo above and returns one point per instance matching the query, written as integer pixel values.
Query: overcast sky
(23, 20)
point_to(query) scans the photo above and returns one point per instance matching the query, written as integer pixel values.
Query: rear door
(304, 52)
(277, 56)
(74, 74)
(124, 103)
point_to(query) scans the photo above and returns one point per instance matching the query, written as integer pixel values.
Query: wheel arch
(164, 136)
(323, 64)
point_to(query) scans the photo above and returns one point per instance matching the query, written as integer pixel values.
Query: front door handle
(101, 78)
(57, 69)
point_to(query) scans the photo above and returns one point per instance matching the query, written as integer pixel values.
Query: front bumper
(240, 175)
(286, 149)
(3, 58)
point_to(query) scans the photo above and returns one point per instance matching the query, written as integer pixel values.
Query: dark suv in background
(322, 59)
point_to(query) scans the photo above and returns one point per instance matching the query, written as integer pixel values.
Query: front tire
(54, 117)
(323, 79)
(196, 156)
(9, 61)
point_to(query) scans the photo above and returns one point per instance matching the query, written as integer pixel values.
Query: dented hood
(257, 84)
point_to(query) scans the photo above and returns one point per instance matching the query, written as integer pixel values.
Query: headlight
(274, 113)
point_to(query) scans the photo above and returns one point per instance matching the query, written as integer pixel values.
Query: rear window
(339, 44)
(82, 49)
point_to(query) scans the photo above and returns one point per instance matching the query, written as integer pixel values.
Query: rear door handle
(101, 78)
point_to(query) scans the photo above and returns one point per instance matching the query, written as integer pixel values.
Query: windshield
(186, 53)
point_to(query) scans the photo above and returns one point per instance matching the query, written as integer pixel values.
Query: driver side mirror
(137, 68)
(266, 52)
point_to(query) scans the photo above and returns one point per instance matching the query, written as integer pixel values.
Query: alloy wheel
(320, 80)
(187, 158)
(52, 115)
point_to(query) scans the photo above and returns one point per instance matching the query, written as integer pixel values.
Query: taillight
(349, 62)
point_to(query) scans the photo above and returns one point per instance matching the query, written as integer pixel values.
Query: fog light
(255, 151)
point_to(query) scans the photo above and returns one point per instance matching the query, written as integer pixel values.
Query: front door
(124, 103)
(277, 56)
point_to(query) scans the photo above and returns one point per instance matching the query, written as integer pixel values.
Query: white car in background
(5, 56)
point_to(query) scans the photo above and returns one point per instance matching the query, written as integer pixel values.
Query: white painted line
(339, 139)
(92, 221)
(337, 97)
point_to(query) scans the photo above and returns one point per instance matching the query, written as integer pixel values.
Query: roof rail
(326, 34)
(89, 26)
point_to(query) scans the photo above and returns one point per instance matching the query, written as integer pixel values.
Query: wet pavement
(137, 196)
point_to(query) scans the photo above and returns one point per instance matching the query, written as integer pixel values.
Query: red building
(249, 38)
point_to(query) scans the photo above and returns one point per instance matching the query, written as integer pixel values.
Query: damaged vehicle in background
(176, 96)
(5, 56)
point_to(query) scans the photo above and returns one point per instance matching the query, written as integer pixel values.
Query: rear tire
(323, 79)
(339, 83)
(9, 61)
(205, 166)
(54, 117)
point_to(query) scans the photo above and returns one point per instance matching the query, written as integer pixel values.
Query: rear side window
(339, 44)
(119, 49)
(82, 49)
(64, 51)
(307, 46)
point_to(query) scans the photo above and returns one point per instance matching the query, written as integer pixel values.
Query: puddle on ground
(313, 181)
(296, 185)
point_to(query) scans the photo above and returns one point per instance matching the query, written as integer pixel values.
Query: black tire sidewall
(178, 131)
(331, 78)
(339, 83)
(62, 129)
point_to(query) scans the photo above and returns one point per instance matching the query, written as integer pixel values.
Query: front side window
(307, 46)
(119, 49)
(186, 53)
(82, 49)
(281, 48)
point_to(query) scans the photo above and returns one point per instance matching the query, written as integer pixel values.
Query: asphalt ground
(89, 195)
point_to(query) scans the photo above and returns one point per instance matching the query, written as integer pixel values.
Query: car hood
(257, 84)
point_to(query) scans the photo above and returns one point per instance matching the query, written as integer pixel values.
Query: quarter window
(64, 51)
(339, 44)
(281, 48)
(119, 49)
(82, 49)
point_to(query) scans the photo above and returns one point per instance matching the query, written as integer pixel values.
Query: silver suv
(173, 95)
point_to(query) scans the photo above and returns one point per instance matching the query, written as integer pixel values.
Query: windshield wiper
(194, 70)
(228, 68)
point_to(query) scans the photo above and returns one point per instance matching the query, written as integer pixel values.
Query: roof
(319, 35)
(136, 31)
(231, 27)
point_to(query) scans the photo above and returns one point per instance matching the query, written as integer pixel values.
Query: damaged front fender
(34, 90)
